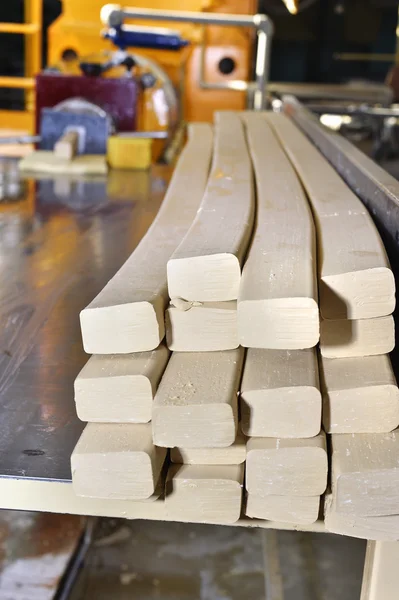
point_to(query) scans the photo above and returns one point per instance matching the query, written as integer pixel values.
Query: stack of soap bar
(277, 302)
(115, 456)
(128, 314)
(119, 388)
(205, 484)
(360, 395)
(204, 272)
(204, 494)
(116, 461)
(286, 468)
(196, 402)
(280, 394)
(298, 510)
(356, 284)
(357, 338)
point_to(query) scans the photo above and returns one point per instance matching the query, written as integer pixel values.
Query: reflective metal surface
(61, 240)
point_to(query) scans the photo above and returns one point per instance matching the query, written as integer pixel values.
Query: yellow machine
(209, 69)
(229, 52)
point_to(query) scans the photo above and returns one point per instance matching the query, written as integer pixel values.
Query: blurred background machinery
(147, 78)
(339, 56)
(229, 50)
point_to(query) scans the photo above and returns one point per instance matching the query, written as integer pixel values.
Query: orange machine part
(79, 27)
(200, 104)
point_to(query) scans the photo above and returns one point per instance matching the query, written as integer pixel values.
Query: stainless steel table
(61, 240)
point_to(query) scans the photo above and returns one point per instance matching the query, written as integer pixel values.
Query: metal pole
(261, 70)
(114, 16)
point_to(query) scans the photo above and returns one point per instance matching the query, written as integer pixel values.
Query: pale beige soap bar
(356, 338)
(365, 473)
(360, 395)
(232, 455)
(287, 467)
(280, 394)
(128, 314)
(204, 494)
(116, 461)
(278, 301)
(355, 279)
(358, 282)
(119, 388)
(196, 402)
(195, 327)
(207, 264)
(367, 528)
(298, 510)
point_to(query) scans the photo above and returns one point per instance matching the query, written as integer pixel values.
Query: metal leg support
(381, 571)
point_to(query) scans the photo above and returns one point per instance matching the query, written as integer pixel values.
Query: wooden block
(209, 327)
(45, 161)
(129, 152)
(367, 528)
(116, 461)
(278, 301)
(204, 494)
(287, 467)
(365, 473)
(298, 510)
(355, 280)
(128, 314)
(364, 337)
(119, 388)
(207, 264)
(67, 145)
(232, 455)
(360, 395)
(196, 402)
(280, 394)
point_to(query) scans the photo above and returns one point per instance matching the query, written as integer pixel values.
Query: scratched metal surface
(61, 240)
(35, 551)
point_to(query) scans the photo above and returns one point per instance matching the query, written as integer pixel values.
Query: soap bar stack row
(360, 394)
(286, 469)
(357, 296)
(278, 321)
(204, 273)
(195, 413)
